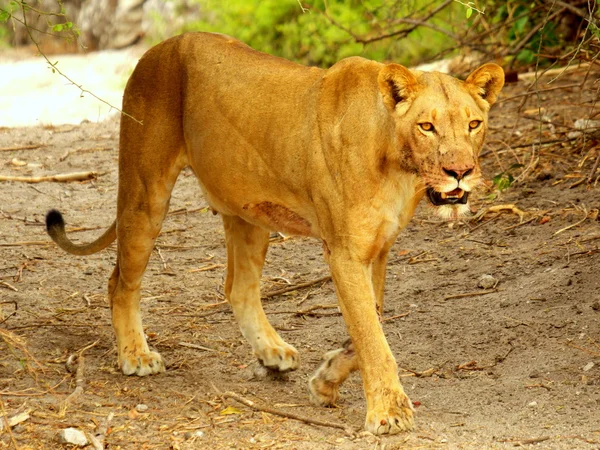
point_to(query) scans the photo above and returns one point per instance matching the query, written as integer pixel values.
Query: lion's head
(441, 123)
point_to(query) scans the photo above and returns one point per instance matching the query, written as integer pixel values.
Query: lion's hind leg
(246, 250)
(337, 365)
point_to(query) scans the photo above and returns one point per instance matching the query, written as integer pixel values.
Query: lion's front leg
(246, 249)
(388, 408)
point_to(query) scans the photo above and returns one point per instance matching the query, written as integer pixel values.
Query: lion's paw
(281, 357)
(337, 365)
(394, 419)
(322, 392)
(147, 363)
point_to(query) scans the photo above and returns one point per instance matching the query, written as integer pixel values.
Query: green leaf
(526, 56)
(4, 16)
(57, 28)
(520, 25)
(469, 12)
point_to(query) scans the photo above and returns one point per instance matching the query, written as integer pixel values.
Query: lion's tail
(55, 226)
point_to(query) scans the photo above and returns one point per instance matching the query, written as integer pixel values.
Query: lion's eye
(474, 124)
(426, 126)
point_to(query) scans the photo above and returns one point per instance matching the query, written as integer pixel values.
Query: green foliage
(321, 33)
(504, 180)
(521, 18)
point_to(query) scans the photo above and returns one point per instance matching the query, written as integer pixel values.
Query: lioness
(343, 155)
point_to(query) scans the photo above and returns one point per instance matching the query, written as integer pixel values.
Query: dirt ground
(514, 364)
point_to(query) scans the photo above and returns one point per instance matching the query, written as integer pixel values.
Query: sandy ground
(34, 95)
(516, 364)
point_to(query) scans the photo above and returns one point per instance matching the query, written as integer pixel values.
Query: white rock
(487, 281)
(583, 124)
(588, 366)
(141, 407)
(72, 436)
(532, 404)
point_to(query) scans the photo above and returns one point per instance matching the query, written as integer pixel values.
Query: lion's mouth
(455, 197)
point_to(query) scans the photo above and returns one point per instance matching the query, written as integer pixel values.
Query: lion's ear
(488, 81)
(396, 84)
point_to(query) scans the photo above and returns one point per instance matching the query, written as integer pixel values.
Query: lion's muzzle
(455, 197)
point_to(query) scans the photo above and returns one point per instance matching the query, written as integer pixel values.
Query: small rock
(487, 281)
(588, 366)
(193, 434)
(260, 372)
(585, 124)
(141, 407)
(596, 306)
(72, 436)
(532, 404)
(535, 374)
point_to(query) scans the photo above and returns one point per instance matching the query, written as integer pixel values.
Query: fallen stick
(79, 375)
(498, 208)
(9, 286)
(387, 319)
(250, 404)
(7, 425)
(311, 311)
(521, 442)
(58, 178)
(295, 287)
(20, 243)
(206, 268)
(20, 147)
(585, 216)
(197, 347)
(97, 440)
(470, 294)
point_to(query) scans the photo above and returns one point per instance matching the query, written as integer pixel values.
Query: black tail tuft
(54, 219)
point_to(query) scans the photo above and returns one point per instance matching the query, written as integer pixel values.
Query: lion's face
(441, 123)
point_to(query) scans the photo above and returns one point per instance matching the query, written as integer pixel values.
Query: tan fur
(336, 154)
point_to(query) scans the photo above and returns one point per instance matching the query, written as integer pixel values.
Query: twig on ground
(97, 440)
(9, 286)
(250, 404)
(7, 425)
(23, 243)
(425, 373)
(197, 347)
(58, 178)
(311, 311)
(398, 316)
(79, 376)
(593, 171)
(499, 208)
(9, 302)
(522, 223)
(21, 147)
(471, 294)
(521, 442)
(207, 267)
(585, 216)
(295, 287)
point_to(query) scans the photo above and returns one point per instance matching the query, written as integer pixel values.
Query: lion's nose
(457, 173)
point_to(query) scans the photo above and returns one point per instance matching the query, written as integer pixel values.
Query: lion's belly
(274, 211)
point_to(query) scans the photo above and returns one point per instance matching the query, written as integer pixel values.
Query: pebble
(141, 407)
(487, 281)
(532, 404)
(72, 436)
(588, 366)
(193, 434)
(596, 306)
(260, 372)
